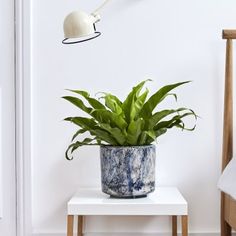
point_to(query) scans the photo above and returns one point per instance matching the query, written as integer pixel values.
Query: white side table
(165, 201)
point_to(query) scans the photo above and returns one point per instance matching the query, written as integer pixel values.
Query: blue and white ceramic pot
(128, 172)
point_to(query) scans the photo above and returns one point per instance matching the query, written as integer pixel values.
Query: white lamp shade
(79, 24)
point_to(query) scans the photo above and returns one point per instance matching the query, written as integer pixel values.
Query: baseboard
(128, 234)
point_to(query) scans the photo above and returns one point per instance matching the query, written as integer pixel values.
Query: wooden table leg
(70, 225)
(184, 221)
(174, 225)
(80, 225)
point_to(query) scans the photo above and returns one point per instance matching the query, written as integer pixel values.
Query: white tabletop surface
(164, 201)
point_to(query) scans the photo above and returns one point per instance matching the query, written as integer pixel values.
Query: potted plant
(125, 132)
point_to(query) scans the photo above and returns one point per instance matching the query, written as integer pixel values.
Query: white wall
(167, 41)
(7, 121)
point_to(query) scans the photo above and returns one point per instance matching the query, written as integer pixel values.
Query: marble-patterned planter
(128, 172)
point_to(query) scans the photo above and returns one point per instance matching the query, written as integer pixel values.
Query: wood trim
(70, 225)
(23, 115)
(184, 221)
(229, 34)
(228, 106)
(227, 152)
(230, 211)
(225, 227)
(174, 225)
(80, 225)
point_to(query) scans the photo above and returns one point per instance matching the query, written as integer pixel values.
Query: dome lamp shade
(80, 26)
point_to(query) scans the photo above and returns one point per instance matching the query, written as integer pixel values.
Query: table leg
(70, 225)
(174, 225)
(184, 220)
(80, 225)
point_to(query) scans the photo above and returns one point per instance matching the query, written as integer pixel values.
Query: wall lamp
(79, 26)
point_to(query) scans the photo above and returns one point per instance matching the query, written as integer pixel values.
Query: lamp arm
(100, 7)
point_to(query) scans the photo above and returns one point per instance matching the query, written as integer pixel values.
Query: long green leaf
(83, 122)
(169, 123)
(151, 134)
(161, 115)
(113, 103)
(134, 131)
(156, 98)
(142, 138)
(160, 132)
(72, 147)
(92, 101)
(131, 98)
(137, 105)
(91, 126)
(147, 137)
(80, 131)
(78, 103)
(86, 141)
(105, 116)
(115, 132)
(105, 136)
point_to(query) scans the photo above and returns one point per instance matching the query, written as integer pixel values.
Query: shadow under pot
(128, 171)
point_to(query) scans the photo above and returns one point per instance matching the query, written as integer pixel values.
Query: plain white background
(167, 41)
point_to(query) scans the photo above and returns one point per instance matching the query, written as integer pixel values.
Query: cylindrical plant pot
(128, 172)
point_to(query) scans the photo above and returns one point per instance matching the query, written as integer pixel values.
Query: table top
(164, 201)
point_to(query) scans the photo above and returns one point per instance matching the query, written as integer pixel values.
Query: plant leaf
(115, 132)
(113, 103)
(156, 98)
(142, 138)
(72, 147)
(86, 141)
(131, 98)
(105, 116)
(78, 103)
(160, 115)
(134, 131)
(83, 122)
(105, 136)
(150, 135)
(160, 132)
(137, 105)
(172, 122)
(80, 131)
(92, 101)
(92, 127)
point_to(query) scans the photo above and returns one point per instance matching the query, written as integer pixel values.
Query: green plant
(132, 122)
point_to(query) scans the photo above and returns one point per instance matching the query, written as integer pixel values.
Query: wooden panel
(228, 107)
(229, 34)
(228, 130)
(230, 211)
